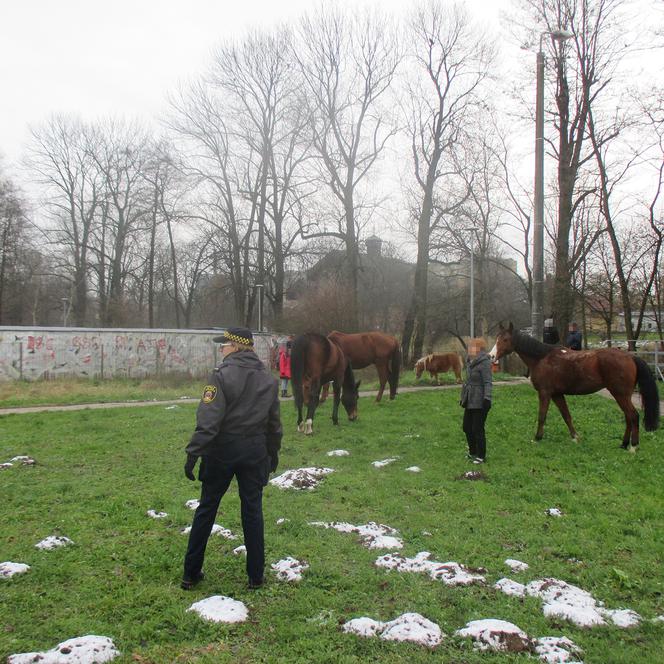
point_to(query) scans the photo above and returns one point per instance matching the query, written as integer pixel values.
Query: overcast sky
(107, 58)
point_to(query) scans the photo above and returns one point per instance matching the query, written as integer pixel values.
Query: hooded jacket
(239, 410)
(479, 382)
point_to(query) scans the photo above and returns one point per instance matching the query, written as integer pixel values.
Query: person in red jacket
(284, 367)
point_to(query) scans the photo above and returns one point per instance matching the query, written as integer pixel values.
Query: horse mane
(524, 343)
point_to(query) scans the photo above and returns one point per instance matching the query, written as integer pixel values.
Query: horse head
(419, 368)
(350, 393)
(504, 344)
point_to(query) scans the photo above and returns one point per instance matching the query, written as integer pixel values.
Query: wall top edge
(121, 330)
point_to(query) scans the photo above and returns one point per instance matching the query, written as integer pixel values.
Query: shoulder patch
(209, 393)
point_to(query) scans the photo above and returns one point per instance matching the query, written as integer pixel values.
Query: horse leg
(631, 438)
(305, 399)
(325, 392)
(336, 391)
(559, 400)
(383, 374)
(314, 393)
(541, 418)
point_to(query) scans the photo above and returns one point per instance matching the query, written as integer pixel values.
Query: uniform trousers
(216, 476)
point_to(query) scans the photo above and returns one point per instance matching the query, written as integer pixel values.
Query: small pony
(439, 363)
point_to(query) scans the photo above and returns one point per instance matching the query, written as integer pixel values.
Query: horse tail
(395, 366)
(298, 356)
(649, 394)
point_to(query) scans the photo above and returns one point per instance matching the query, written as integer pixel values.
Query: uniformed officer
(238, 433)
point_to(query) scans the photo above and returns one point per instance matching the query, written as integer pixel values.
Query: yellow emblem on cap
(209, 393)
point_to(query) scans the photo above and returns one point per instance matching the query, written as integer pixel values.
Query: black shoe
(255, 584)
(188, 582)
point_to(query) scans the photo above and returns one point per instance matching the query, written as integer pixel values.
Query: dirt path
(172, 402)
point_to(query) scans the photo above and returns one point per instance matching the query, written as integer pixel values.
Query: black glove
(487, 405)
(189, 467)
(274, 461)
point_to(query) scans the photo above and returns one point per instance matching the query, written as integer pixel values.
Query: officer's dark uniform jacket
(237, 420)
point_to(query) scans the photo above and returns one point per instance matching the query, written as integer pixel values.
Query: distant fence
(34, 353)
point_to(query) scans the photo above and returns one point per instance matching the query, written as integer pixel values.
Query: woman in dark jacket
(476, 399)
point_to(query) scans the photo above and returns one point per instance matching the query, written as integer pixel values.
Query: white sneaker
(478, 460)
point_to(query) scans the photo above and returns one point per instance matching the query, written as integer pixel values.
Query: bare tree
(348, 64)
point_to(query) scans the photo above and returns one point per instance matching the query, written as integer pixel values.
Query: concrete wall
(43, 353)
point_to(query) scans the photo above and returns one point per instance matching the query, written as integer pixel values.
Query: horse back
(442, 362)
(365, 348)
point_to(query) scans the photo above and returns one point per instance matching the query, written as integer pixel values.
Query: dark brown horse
(436, 363)
(556, 371)
(376, 348)
(316, 360)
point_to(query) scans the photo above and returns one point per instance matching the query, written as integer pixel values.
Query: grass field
(17, 394)
(99, 471)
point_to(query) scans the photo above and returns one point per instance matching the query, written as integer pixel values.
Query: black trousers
(216, 477)
(473, 427)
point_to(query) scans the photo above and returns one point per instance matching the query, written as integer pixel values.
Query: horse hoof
(631, 449)
(300, 427)
(309, 427)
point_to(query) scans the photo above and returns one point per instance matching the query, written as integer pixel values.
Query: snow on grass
(216, 530)
(554, 511)
(414, 469)
(509, 587)
(373, 535)
(53, 542)
(557, 650)
(6, 466)
(289, 569)
(500, 635)
(301, 478)
(516, 565)
(563, 600)
(88, 649)
(384, 462)
(156, 515)
(192, 504)
(411, 627)
(281, 520)
(473, 475)
(23, 459)
(9, 569)
(338, 453)
(220, 608)
(450, 573)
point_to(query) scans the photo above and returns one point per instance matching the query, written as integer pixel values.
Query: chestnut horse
(376, 348)
(438, 363)
(556, 371)
(316, 360)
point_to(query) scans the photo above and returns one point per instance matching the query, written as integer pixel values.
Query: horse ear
(511, 327)
(501, 326)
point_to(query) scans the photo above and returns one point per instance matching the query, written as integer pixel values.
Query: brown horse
(316, 360)
(438, 363)
(376, 348)
(556, 371)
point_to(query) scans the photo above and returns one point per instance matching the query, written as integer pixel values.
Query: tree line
(312, 136)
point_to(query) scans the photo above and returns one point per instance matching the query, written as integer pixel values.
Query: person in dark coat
(238, 434)
(574, 339)
(476, 399)
(551, 335)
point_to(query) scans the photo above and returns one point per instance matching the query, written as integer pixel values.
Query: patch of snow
(156, 515)
(411, 627)
(450, 573)
(554, 511)
(338, 453)
(510, 587)
(25, 460)
(557, 650)
(499, 635)
(220, 608)
(659, 618)
(426, 533)
(281, 520)
(216, 530)
(53, 542)
(414, 469)
(88, 649)
(5, 466)
(516, 565)
(290, 569)
(8, 569)
(192, 504)
(473, 475)
(174, 407)
(384, 462)
(240, 550)
(563, 600)
(373, 535)
(301, 478)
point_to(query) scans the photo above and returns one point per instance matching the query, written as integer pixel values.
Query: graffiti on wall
(35, 354)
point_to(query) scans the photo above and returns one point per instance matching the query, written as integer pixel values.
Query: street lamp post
(65, 302)
(537, 319)
(472, 230)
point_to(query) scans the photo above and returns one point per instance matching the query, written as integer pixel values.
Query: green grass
(99, 471)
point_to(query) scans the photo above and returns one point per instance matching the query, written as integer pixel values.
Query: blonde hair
(478, 342)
